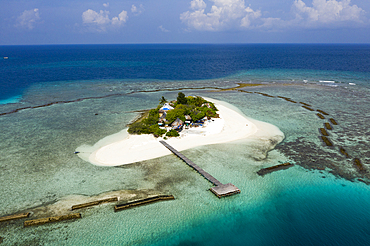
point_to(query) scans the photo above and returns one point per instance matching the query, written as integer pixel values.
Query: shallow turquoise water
(297, 206)
(290, 207)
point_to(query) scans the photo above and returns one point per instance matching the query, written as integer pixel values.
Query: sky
(33, 22)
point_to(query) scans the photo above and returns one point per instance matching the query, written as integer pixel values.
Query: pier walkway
(220, 189)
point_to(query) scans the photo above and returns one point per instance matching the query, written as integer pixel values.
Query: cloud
(121, 19)
(224, 14)
(233, 14)
(100, 21)
(163, 29)
(106, 5)
(328, 11)
(28, 19)
(197, 4)
(137, 10)
(249, 17)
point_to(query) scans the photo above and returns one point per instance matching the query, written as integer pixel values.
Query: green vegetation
(181, 99)
(178, 112)
(196, 107)
(172, 133)
(148, 125)
(152, 117)
(138, 128)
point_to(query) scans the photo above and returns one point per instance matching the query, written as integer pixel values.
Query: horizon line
(67, 44)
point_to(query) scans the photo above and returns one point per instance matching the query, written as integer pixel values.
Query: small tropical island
(170, 118)
(187, 122)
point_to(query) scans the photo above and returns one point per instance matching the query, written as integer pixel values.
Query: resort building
(166, 107)
(188, 121)
(177, 124)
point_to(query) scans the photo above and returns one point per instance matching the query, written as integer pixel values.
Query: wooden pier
(220, 190)
(143, 202)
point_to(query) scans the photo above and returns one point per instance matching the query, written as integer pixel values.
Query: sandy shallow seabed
(123, 148)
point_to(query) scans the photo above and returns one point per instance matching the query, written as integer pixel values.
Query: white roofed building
(166, 107)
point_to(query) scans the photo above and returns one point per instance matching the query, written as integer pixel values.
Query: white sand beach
(231, 126)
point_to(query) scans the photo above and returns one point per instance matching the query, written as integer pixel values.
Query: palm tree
(162, 100)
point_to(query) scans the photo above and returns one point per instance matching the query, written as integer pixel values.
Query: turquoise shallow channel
(323, 199)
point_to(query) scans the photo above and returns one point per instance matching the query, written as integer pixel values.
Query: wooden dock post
(323, 132)
(328, 126)
(320, 116)
(326, 141)
(143, 202)
(308, 108)
(94, 203)
(51, 219)
(267, 170)
(324, 113)
(333, 121)
(15, 217)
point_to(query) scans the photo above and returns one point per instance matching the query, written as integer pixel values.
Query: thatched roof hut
(177, 122)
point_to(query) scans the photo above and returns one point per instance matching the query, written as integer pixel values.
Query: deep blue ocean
(28, 65)
(322, 200)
